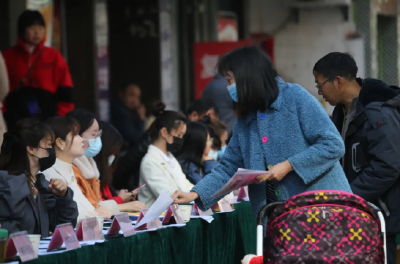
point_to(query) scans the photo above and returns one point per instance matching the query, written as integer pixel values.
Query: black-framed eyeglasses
(319, 86)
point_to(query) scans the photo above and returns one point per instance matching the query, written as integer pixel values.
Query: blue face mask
(111, 160)
(232, 91)
(221, 152)
(94, 147)
(213, 154)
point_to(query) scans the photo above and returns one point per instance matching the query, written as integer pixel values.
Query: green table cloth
(227, 239)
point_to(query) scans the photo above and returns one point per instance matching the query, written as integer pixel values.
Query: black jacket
(19, 213)
(372, 159)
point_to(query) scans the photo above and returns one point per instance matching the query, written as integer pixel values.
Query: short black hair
(337, 64)
(84, 118)
(201, 106)
(124, 86)
(255, 77)
(29, 18)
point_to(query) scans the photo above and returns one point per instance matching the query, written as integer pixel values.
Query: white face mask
(111, 160)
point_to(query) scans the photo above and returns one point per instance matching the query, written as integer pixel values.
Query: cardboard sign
(88, 229)
(64, 234)
(202, 213)
(153, 224)
(20, 243)
(224, 205)
(242, 196)
(121, 222)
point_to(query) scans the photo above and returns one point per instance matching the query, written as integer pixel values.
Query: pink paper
(88, 229)
(203, 213)
(240, 179)
(125, 223)
(167, 216)
(224, 205)
(64, 234)
(19, 242)
(175, 211)
(242, 196)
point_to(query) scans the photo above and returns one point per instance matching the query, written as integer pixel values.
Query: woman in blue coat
(280, 126)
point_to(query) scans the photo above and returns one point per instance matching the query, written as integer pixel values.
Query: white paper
(208, 219)
(159, 206)
(241, 178)
(175, 225)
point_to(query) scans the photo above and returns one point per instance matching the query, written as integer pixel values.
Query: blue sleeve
(209, 165)
(191, 171)
(326, 144)
(221, 174)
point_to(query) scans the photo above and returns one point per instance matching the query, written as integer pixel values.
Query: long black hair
(112, 144)
(195, 141)
(255, 76)
(14, 156)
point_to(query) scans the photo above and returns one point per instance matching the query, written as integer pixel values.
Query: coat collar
(276, 105)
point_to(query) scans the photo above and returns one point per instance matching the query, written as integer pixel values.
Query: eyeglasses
(319, 86)
(98, 134)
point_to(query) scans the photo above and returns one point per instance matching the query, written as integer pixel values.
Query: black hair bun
(158, 109)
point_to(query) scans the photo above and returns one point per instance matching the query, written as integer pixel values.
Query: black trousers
(391, 248)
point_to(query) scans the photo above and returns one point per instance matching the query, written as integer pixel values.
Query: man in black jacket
(367, 116)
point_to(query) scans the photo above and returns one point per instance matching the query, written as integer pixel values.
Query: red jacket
(107, 195)
(49, 81)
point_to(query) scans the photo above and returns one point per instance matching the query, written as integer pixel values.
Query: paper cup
(100, 219)
(35, 240)
(185, 211)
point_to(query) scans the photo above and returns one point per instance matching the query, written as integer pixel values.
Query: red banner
(206, 55)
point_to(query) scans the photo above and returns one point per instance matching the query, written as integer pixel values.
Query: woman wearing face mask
(159, 169)
(193, 156)
(219, 136)
(107, 161)
(27, 200)
(85, 165)
(280, 128)
(69, 146)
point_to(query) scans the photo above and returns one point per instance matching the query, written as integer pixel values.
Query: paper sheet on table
(159, 206)
(241, 178)
(209, 219)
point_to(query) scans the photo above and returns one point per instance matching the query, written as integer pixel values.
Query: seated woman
(193, 156)
(28, 202)
(107, 161)
(219, 136)
(159, 169)
(85, 166)
(69, 146)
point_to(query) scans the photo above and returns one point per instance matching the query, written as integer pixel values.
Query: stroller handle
(266, 210)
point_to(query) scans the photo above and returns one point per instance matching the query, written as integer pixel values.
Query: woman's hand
(104, 212)
(58, 187)
(127, 196)
(180, 197)
(276, 173)
(135, 206)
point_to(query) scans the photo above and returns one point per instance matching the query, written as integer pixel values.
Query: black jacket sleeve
(14, 192)
(60, 210)
(383, 128)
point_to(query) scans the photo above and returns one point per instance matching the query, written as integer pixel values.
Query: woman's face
(74, 146)
(178, 132)
(224, 138)
(40, 151)
(92, 132)
(208, 145)
(229, 77)
(34, 34)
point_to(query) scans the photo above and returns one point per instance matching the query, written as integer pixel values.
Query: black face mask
(47, 162)
(175, 146)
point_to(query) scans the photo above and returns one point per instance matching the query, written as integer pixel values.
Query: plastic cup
(185, 211)
(35, 240)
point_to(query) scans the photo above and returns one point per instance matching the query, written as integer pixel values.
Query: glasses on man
(319, 86)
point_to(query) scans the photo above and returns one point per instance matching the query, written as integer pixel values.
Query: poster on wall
(101, 59)
(45, 7)
(227, 27)
(206, 55)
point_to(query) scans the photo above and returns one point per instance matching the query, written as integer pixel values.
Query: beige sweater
(4, 87)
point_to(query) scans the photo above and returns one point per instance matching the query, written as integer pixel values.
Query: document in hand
(159, 206)
(241, 178)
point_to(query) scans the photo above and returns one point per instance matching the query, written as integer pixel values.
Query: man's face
(328, 88)
(34, 34)
(132, 97)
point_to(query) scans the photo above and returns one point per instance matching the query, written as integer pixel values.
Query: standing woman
(280, 126)
(27, 200)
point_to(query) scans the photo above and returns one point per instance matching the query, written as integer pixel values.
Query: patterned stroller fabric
(324, 227)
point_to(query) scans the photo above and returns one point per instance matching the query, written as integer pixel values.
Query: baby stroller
(322, 227)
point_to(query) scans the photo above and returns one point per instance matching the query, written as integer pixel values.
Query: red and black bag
(323, 227)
